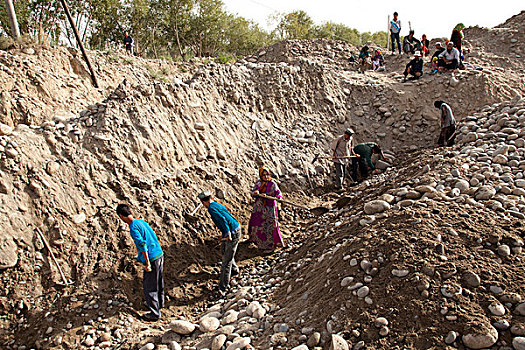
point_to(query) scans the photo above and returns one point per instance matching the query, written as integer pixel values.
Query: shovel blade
(318, 211)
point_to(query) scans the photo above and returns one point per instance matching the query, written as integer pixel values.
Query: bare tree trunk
(68, 15)
(178, 41)
(15, 30)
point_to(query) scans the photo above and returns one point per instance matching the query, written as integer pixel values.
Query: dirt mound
(501, 46)
(37, 84)
(435, 248)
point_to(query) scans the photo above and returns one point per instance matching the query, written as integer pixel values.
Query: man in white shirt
(342, 147)
(449, 59)
(395, 28)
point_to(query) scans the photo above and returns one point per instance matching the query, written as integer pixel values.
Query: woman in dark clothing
(457, 37)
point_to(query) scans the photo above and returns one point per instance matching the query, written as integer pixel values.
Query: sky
(426, 17)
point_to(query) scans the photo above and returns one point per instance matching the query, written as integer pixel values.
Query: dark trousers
(229, 248)
(395, 37)
(414, 74)
(445, 137)
(452, 65)
(363, 168)
(153, 284)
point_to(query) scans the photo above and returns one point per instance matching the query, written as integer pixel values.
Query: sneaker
(150, 317)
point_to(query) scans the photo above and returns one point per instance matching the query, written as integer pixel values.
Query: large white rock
(481, 340)
(462, 185)
(218, 342)
(230, 316)
(376, 206)
(239, 343)
(338, 343)
(5, 129)
(209, 324)
(518, 343)
(182, 327)
(256, 310)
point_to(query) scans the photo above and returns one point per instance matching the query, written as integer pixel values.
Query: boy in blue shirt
(151, 255)
(231, 233)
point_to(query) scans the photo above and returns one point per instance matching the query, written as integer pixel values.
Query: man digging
(231, 233)
(152, 256)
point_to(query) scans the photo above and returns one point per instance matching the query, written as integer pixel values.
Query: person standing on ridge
(395, 29)
(128, 43)
(152, 256)
(231, 233)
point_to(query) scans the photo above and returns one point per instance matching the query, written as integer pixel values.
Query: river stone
(471, 279)
(230, 316)
(382, 165)
(173, 345)
(462, 185)
(148, 346)
(338, 343)
(481, 340)
(497, 309)
(218, 342)
(5, 129)
(182, 327)
(520, 309)
(451, 337)
(8, 254)
(314, 339)
(376, 206)
(485, 193)
(518, 343)
(363, 291)
(301, 347)
(208, 324)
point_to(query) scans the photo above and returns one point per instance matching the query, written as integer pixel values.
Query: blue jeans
(395, 36)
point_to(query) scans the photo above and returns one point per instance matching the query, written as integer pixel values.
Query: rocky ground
(426, 255)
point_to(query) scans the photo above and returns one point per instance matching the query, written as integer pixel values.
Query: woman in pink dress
(264, 226)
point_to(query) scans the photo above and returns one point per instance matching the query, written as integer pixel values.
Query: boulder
(481, 339)
(208, 324)
(182, 327)
(338, 343)
(485, 193)
(8, 254)
(376, 206)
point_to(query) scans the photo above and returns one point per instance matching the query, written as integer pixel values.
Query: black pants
(446, 137)
(229, 248)
(452, 65)
(414, 74)
(153, 284)
(363, 168)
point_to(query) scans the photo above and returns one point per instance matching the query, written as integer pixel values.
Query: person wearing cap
(342, 147)
(230, 235)
(395, 28)
(414, 67)
(448, 124)
(152, 256)
(411, 44)
(364, 160)
(449, 58)
(439, 50)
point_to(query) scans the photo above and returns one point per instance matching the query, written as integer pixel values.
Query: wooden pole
(388, 35)
(70, 19)
(15, 31)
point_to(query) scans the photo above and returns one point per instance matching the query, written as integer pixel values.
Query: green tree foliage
(176, 28)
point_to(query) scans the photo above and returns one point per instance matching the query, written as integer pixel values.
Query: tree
(294, 25)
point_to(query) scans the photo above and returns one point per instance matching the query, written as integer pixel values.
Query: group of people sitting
(443, 59)
(366, 61)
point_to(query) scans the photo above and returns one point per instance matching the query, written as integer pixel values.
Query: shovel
(316, 211)
(66, 282)
(191, 216)
(328, 157)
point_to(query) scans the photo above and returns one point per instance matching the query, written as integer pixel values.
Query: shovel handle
(195, 210)
(52, 256)
(282, 201)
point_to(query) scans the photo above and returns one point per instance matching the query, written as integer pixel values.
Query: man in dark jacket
(414, 67)
(411, 44)
(364, 159)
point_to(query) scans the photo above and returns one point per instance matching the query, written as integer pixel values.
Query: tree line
(178, 29)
